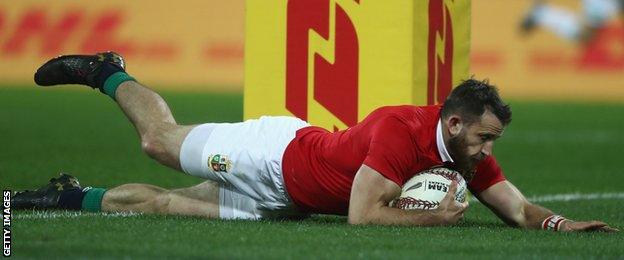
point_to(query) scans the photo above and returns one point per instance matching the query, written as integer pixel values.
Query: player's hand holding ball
(440, 190)
(450, 211)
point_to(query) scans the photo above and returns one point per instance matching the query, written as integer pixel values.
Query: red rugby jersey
(397, 141)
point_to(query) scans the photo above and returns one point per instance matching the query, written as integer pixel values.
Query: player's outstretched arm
(371, 192)
(506, 201)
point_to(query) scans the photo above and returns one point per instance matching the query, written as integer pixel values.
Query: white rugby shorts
(246, 160)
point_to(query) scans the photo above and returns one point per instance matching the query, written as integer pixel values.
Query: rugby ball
(426, 189)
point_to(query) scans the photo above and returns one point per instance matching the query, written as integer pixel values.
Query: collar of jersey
(444, 155)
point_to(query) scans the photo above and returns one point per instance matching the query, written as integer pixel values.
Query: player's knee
(162, 142)
(152, 142)
(151, 146)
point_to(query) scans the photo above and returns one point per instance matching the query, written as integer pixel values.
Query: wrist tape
(553, 222)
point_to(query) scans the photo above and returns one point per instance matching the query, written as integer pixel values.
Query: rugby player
(281, 167)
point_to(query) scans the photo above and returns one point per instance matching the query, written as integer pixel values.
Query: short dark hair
(470, 100)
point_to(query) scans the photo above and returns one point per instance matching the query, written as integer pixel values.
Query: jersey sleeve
(391, 151)
(488, 173)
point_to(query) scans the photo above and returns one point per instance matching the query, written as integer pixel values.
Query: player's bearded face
(474, 143)
(458, 149)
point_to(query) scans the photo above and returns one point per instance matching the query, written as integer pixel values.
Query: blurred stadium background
(568, 102)
(200, 46)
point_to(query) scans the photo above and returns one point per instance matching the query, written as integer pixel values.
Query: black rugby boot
(90, 70)
(47, 196)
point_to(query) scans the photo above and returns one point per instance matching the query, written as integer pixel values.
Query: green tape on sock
(113, 81)
(92, 201)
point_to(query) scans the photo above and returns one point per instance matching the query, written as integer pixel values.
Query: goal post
(331, 62)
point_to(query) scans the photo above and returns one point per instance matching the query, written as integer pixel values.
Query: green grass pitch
(550, 148)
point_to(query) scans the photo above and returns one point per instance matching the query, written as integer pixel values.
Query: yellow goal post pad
(331, 62)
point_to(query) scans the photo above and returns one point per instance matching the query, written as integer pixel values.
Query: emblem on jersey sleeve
(219, 163)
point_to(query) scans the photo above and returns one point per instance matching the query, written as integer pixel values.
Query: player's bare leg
(65, 192)
(161, 136)
(199, 200)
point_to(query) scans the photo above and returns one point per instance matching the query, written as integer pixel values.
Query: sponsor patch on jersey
(219, 163)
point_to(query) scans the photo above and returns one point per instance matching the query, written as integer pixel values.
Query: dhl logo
(332, 79)
(334, 76)
(85, 30)
(440, 53)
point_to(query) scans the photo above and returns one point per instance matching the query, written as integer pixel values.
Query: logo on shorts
(219, 163)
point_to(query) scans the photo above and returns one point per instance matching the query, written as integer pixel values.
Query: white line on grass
(578, 196)
(70, 214)
(575, 196)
